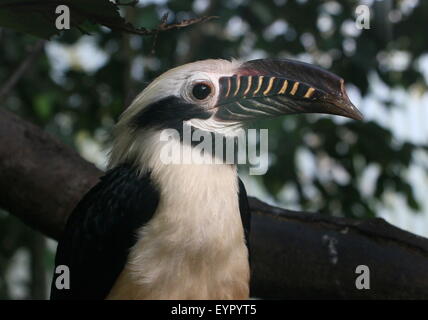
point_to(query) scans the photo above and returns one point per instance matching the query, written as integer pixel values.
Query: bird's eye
(201, 90)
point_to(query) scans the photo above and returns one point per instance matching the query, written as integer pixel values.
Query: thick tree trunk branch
(41, 179)
(294, 254)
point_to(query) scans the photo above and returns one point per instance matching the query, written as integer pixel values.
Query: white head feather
(175, 82)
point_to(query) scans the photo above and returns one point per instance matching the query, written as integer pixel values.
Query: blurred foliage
(75, 100)
(38, 17)
(25, 262)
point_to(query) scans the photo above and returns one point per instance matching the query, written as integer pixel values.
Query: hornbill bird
(150, 230)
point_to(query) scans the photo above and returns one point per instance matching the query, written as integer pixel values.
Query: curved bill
(272, 87)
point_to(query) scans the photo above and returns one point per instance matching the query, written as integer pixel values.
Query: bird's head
(219, 96)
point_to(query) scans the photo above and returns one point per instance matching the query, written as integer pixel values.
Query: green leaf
(43, 105)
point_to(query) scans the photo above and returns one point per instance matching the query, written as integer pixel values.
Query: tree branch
(108, 17)
(294, 254)
(37, 180)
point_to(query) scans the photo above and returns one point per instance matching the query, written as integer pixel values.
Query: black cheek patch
(169, 112)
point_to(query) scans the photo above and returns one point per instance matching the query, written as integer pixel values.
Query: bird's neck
(160, 150)
(191, 194)
(194, 182)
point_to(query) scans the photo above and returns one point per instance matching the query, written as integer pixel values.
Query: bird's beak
(273, 87)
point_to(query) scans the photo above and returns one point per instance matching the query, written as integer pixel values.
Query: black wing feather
(101, 230)
(244, 209)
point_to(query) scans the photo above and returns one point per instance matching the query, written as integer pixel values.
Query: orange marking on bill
(250, 79)
(260, 85)
(269, 86)
(228, 87)
(238, 84)
(309, 93)
(294, 89)
(284, 87)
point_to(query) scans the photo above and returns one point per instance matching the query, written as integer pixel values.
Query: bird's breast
(194, 247)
